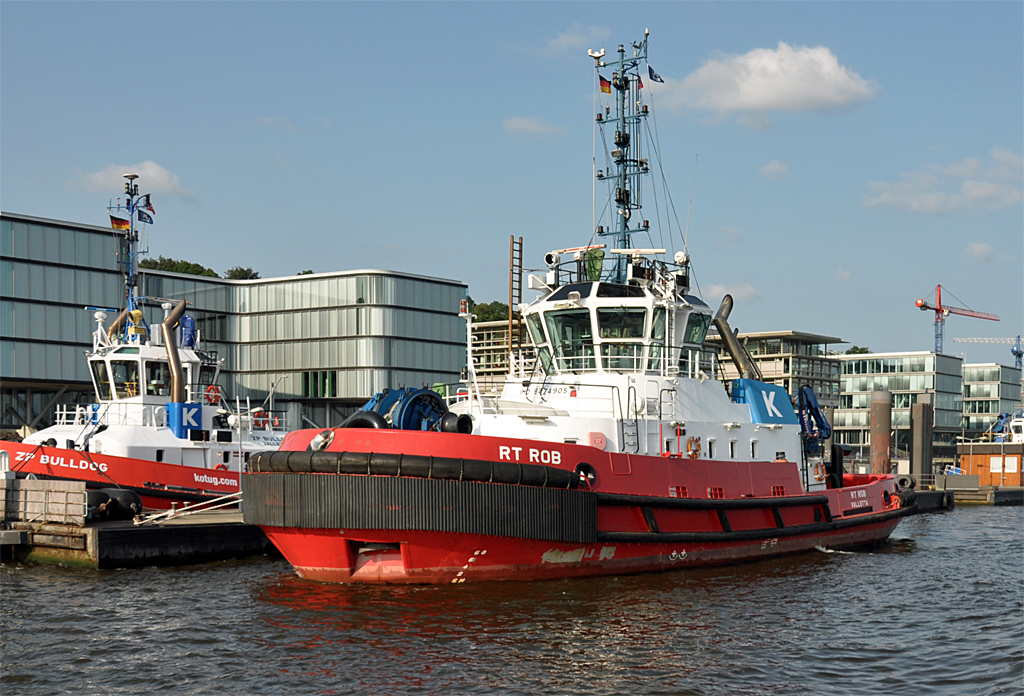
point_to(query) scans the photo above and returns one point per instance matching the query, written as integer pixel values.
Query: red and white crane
(941, 311)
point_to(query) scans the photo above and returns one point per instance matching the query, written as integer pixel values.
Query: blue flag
(144, 217)
(655, 77)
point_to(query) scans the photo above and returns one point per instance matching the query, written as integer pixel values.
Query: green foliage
(488, 311)
(162, 263)
(858, 350)
(239, 273)
(306, 272)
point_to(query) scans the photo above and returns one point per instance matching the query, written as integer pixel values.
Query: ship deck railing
(651, 402)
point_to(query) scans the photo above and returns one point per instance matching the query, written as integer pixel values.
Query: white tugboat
(160, 425)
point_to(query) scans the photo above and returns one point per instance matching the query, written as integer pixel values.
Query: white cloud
(774, 170)
(980, 251)
(942, 189)
(1006, 164)
(843, 274)
(152, 179)
(762, 80)
(576, 38)
(740, 293)
(730, 234)
(529, 126)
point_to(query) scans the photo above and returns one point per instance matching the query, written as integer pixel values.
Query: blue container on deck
(182, 417)
(769, 403)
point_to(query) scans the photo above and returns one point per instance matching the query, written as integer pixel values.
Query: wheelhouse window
(621, 322)
(125, 376)
(562, 293)
(616, 324)
(696, 328)
(158, 378)
(572, 340)
(101, 378)
(657, 339)
(536, 329)
(622, 356)
(616, 290)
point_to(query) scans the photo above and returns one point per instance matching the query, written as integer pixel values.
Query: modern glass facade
(907, 376)
(989, 389)
(326, 341)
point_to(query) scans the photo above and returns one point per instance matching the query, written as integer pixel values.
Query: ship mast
(134, 209)
(628, 165)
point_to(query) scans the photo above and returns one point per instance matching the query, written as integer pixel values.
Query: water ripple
(939, 610)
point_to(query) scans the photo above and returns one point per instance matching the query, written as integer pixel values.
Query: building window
(320, 384)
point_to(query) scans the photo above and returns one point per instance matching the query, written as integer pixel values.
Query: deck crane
(1015, 350)
(941, 311)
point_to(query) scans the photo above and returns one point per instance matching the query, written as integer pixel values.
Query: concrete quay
(199, 538)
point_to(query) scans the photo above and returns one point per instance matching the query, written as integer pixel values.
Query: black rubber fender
(365, 419)
(414, 466)
(97, 504)
(907, 498)
(126, 503)
(948, 501)
(906, 482)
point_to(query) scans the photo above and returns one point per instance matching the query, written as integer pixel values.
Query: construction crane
(1015, 351)
(941, 311)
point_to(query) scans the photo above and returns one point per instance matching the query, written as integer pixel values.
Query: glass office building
(907, 376)
(325, 342)
(989, 390)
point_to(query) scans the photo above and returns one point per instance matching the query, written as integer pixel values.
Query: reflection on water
(936, 611)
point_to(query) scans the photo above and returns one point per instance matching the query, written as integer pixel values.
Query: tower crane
(1016, 351)
(942, 311)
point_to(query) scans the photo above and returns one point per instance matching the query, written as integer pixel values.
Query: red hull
(158, 483)
(642, 514)
(431, 558)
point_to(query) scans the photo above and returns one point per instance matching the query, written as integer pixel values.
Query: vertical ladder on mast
(515, 298)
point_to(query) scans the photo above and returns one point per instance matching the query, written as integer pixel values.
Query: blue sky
(851, 155)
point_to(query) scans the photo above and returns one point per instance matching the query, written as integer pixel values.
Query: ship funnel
(173, 359)
(746, 366)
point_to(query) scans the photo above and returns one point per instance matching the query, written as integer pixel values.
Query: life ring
(221, 467)
(819, 472)
(693, 447)
(260, 419)
(213, 394)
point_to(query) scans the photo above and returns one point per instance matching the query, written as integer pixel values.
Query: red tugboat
(616, 453)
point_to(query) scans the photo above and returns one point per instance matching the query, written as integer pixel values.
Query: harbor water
(938, 610)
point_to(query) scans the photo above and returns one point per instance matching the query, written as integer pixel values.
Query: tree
(162, 263)
(858, 350)
(239, 273)
(306, 272)
(488, 311)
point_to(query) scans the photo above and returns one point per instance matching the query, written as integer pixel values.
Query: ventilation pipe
(173, 359)
(118, 324)
(746, 366)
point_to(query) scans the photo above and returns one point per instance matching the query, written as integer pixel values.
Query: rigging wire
(693, 187)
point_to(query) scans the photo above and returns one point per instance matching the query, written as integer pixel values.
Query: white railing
(112, 413)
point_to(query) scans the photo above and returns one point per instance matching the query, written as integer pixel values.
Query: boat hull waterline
(424, 560)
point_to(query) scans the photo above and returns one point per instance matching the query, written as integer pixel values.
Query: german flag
(119, 223)
(606, 86)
